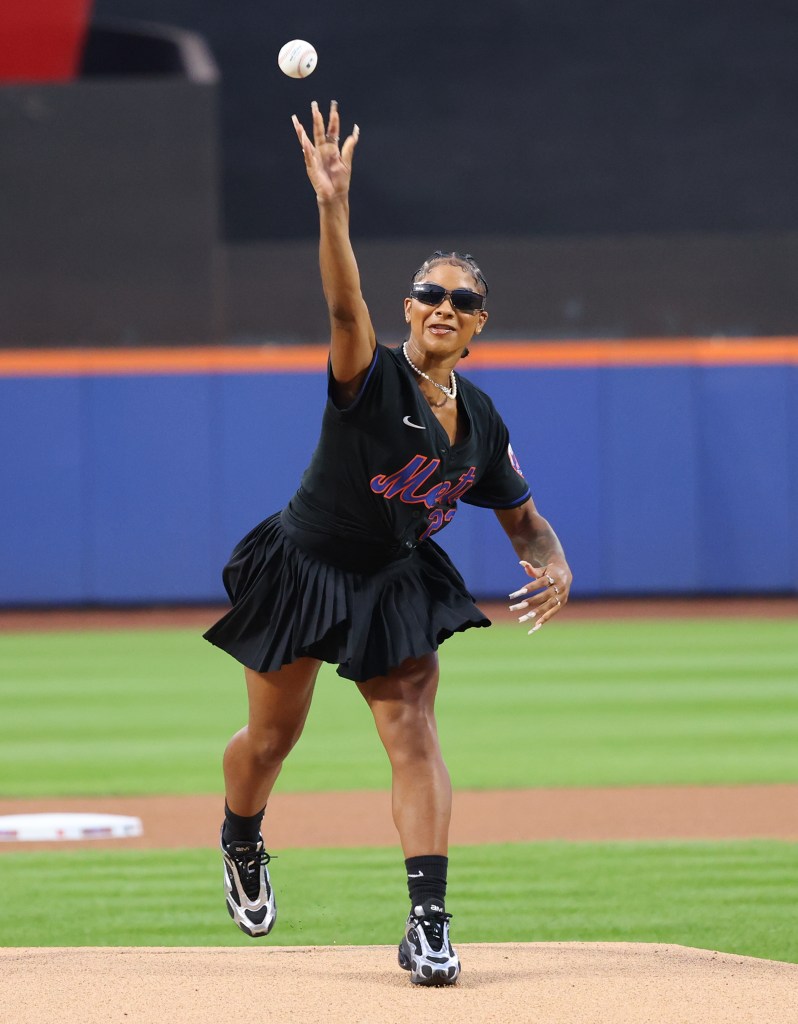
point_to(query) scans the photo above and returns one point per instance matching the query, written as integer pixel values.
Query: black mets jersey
(385, 476)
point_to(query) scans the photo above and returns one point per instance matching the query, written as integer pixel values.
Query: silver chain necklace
(450, 392)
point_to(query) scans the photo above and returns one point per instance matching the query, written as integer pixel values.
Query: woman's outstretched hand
(329, 166)
(544, 596)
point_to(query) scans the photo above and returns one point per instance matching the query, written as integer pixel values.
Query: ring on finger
(559, 603)
(550, 579)
(331, 138)
(556, 589)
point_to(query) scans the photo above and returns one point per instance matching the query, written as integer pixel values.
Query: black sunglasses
(462, 299)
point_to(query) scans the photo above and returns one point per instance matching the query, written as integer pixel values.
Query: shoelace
(249, 869)
(433, 929)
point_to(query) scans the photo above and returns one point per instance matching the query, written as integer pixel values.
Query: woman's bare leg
(403, 705)
(278, 708)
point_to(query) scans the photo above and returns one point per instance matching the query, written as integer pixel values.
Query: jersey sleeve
(370, 392)
(502, 485)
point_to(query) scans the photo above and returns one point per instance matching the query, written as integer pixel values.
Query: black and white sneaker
(425, 950)
(247, 889)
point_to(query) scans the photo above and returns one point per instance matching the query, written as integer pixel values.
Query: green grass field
(585, 703)
(735, 897)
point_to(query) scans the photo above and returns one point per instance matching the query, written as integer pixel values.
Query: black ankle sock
(426, 879)
(237, 826)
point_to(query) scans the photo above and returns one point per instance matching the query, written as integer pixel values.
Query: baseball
(297, 59)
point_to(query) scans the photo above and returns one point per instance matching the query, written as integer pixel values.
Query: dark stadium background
(621, 170)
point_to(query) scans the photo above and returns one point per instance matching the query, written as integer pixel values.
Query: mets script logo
(407, 485)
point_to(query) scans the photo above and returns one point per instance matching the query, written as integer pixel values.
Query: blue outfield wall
(659, 480)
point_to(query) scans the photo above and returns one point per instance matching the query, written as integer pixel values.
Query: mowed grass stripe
(580, 703)
(738, 897)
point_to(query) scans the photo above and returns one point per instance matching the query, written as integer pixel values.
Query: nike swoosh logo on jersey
(408, 423)
(419, 875)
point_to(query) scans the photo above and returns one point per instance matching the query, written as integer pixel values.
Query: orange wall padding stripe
(313, 358)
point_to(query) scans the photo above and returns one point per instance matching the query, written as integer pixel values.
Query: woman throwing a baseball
(349, 573)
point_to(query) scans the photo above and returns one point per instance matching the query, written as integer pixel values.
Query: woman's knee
(269, 747)
(408, 730)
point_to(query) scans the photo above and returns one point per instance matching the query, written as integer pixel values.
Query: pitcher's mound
(550, 983)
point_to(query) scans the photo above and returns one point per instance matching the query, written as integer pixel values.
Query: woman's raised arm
(329, 168)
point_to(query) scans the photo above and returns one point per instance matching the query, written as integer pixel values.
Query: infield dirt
(532, 983)
(363, 818)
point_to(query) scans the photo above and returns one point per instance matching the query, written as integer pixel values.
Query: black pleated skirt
(287, 604)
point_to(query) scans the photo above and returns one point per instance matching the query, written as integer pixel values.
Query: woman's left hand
(546, 595)
(329, 168)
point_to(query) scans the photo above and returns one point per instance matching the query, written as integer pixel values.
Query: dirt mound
(550, 983)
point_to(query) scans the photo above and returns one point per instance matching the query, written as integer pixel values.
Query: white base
(26, 828)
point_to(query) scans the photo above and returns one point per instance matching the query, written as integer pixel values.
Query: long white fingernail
(519, 606)
(517, 593)
(527, 617)
(534, 629)
(356, 131)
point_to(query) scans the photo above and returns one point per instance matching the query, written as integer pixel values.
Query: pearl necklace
(450, 392)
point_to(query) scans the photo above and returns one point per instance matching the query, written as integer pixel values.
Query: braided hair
(464, 260)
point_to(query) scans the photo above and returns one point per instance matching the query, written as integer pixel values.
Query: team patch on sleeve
(513, 460)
